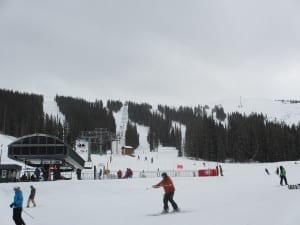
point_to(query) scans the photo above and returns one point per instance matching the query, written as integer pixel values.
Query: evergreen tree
(132, 136)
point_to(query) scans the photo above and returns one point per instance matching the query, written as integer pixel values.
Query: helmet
(164, 174)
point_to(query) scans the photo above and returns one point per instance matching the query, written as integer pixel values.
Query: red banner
(179, 166)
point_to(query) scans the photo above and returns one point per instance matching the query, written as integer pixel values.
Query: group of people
(146, 158)
(43, 173)
(281, 172)
(219, 170)
(17, 204)
(35, 176)
(128, 173)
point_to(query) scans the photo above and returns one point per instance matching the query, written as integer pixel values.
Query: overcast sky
(157, 51)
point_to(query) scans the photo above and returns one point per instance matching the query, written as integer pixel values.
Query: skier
(282, 175)
(100, 174)
(221, 170)
(17, 206)
(169, 189)
(31, 196)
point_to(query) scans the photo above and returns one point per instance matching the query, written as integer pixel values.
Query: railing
(29, 172)
(89, 175)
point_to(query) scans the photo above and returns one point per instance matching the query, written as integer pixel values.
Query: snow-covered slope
(4, 142)
(244, 195)
(274, 110)
(50, 107)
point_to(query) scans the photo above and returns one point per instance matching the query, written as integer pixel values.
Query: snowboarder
(169, 189)
(282, 175)
(17, 206)
(31, 196)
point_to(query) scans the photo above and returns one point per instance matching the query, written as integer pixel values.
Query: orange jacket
(167, 184)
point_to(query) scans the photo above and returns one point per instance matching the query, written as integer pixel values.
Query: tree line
(82, 115)
(242, 139)
(161, 130)
(22, 114)
(211, 134)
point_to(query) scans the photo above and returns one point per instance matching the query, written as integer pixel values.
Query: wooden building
(127, 150)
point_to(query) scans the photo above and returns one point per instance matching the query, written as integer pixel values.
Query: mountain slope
(274, 110)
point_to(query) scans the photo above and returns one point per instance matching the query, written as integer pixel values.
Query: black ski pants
(17, 216)
(168, 197)
(283, 178)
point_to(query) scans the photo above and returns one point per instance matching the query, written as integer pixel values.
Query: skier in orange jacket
(169, 188)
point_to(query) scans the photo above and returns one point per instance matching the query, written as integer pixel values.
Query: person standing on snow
(221, 170)
(31, 196)
(37, 174)
(100, 174)
(169, 189)
(277, 170)
(17, 206)
(282, 174)
(119, 174)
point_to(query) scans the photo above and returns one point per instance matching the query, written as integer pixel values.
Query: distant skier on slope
(282, 175)
(169, 189)
(31, 196)
(221, 170)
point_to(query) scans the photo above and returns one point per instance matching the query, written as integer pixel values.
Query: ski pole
(28, 214)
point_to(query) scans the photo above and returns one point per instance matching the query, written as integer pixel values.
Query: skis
(169, 213)
(293, 186)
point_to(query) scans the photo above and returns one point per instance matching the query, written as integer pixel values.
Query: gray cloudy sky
(158, 51)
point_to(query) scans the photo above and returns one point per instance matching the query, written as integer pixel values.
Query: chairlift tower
(97, 138)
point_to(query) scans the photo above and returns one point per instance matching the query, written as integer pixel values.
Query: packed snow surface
(245, 195)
